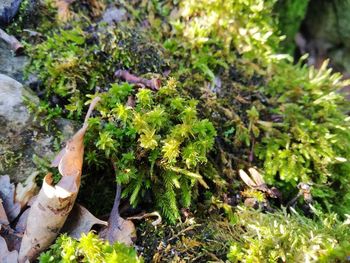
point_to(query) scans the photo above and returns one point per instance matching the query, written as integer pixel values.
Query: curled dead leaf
(3, 216)
(7, 194)
(53, 204)
(5, 255)
(24, 192)
(123, 231)
(79, 221)
(47, 216)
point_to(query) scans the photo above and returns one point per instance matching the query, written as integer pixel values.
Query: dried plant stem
(15, 45)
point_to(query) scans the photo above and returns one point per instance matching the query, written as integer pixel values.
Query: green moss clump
(282, 237)
(287, 118)
(290, 16)
(89, 248)
(310, 142)
(262, 109)
(73, 62)
(157, 145)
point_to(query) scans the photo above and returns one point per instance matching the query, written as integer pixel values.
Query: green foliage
(311, 142)
(288, 115)
(89, 248)
(8, 158)
(267, 111)
(157, 145)
(213, 34)
(282, 237)
(290, 16)
(72, 62)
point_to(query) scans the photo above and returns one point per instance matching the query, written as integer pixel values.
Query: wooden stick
(15, 45)
(153, 84)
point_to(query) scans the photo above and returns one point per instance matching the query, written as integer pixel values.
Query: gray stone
(21, 139)
(13, 112)
(8, 9)
(11, 65)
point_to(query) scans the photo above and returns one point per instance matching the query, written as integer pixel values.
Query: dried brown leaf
(46, 217)
(13, 239)
(118, 229)
(70, 159)
(5, 255)
(3, 216)
(123, 231)
(25, 192)
(53, 204)
(7, 194)
(22, 222)
(79, 221)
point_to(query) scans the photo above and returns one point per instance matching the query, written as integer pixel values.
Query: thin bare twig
(153, 84)
(15, 45)
(183, 231)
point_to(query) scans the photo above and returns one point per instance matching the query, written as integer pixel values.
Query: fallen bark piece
(5, 255)
(3, 216)
(80, 221)
(153, 84)
(15, 45)
(47, 216)
(25, 192)
(7, 194)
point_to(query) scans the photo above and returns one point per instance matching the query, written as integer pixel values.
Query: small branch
(145, 215)
(153, 84)
(183, 231)
(292, 202)
(15, 45)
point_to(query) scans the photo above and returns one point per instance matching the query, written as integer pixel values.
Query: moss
(195, 240)
(80, 59)
(89, 248)
(290, 16)
(8, 160)
(260, 237)
(228, 82)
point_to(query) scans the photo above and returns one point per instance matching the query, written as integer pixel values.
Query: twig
(15, 45)
(145, 215)
(292, 202)
(153, 84)
(183, 231)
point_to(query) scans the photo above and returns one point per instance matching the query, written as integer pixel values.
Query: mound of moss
(227, 101)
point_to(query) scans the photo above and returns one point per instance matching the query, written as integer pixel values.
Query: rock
(11, 65)
(14, 115)
(21, 139)
(8, 9)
